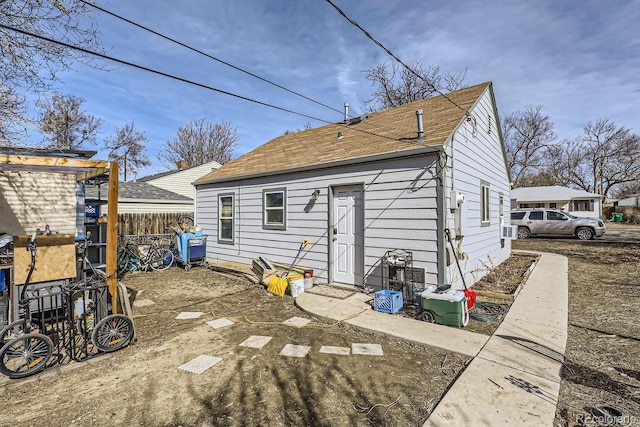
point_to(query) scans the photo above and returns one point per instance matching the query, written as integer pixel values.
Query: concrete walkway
(514, 377)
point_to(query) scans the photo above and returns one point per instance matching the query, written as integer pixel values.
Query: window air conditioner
(509, 232)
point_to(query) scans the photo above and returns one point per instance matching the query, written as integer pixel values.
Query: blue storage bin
(388, 301)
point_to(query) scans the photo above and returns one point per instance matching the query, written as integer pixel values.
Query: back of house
(407, 190)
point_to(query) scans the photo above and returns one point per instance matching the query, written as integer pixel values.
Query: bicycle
(157, 257)
(70, 321)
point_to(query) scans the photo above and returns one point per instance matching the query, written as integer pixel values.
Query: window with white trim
(485, 209)
(274, 209)
(226, 218)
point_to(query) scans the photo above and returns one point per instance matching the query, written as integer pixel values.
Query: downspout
(440, 219)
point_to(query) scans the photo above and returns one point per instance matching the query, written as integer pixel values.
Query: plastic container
(448, 308)
(308, 279)
(388, 301)
(618, 217)
(296, 284)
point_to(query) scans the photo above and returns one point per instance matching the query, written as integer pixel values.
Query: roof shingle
(387, 131)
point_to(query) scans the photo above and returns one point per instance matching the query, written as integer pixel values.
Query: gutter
(327, 165)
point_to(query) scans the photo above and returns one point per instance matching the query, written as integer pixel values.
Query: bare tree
(627, 189)
(31, 65)
(64, 124)
(395, 85)
(127, 148)
(606, 155)
(527, 134)
(199, 142)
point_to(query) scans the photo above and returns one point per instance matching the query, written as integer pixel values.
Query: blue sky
(580, 60)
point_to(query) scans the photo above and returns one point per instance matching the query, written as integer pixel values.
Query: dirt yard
(602, 360)
(142, 385)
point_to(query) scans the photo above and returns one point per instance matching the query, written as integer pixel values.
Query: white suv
(555, 222)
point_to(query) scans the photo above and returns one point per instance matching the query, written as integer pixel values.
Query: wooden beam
(90, 174)
(13, 159)
(112, 235)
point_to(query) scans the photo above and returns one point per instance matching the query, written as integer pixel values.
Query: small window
(485, 209)
(582, 205)
(515, 216)
(274, 209)
(226, 218)
(555, 216)
(553, 205)
(535, 215)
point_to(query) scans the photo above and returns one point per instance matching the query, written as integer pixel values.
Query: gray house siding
(478, 159)
(399, 213)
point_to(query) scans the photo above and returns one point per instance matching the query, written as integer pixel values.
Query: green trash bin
(617, 217)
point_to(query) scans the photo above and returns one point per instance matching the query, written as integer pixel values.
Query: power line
(191, 82)
(209, 56)
(161, 73)
(369, 36)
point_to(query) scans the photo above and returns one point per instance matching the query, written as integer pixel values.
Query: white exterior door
(348, 220)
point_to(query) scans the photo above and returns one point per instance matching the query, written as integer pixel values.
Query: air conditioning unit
(509, 232)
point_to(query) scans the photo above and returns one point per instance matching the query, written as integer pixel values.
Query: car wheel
(584, 233)
(523, 233)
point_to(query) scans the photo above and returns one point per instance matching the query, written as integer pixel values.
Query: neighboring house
(359, 188)
(631, 201)
(576, 202)
(139, 197)
(180, 181)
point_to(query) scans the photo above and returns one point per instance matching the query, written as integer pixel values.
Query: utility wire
(209, 56)
(161, 73)
(369, 36)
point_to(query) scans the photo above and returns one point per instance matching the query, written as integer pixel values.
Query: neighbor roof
(136, 191)
(550, 193)
(384, 132)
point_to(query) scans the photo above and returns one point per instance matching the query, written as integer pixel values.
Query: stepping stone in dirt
(219, 323)
(291, 350)
(329, 349)
(256, 341)
(367, 349)
(200, 364)
(189, 315)
(296, 321)
(143, 303)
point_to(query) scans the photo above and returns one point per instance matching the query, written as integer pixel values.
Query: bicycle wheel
(15, 329)
(185, 222)
(112, 333)
(160, 259)
(25, 355)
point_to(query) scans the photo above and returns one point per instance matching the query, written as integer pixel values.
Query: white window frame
(221, 239)
(266, 209)
(485, 204)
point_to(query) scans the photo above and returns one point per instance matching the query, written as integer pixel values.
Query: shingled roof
(136, 191)
(384, 132)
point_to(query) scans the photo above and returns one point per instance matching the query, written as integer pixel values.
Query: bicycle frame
(60, 322)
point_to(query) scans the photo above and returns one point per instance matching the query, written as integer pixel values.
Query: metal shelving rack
(398, 273)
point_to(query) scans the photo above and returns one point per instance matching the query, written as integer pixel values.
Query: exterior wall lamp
(315, 194)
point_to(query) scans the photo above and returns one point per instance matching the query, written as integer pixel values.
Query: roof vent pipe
(346, 111)
(420, 128)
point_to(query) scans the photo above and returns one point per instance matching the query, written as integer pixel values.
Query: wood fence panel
(148, 223)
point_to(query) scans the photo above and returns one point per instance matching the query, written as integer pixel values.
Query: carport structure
(72, 165)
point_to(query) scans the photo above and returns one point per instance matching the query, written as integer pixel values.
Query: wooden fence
(148, 223)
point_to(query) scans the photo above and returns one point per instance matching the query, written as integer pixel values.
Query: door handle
(335, 231)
